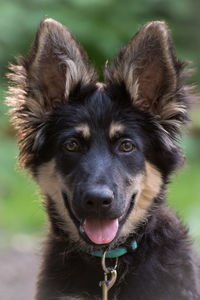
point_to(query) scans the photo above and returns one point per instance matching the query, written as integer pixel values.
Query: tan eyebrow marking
(115, 127)
(83, 129)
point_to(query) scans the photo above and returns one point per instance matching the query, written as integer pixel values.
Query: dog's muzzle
(98, 215)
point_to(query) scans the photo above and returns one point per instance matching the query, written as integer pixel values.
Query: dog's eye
(126, 146)
(72, 145)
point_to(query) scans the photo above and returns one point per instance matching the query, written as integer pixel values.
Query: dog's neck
(116, 252)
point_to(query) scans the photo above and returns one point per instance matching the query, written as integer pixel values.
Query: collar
(117, 252)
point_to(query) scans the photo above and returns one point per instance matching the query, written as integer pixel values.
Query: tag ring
(105, 268)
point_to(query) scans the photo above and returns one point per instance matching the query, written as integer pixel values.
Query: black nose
(98, 200)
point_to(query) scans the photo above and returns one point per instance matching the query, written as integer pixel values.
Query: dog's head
(101, 153)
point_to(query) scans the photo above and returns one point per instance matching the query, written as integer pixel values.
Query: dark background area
(102, 27)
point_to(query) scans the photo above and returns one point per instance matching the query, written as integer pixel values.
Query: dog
(103, 154)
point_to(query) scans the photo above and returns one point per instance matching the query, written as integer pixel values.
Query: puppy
(102, 154)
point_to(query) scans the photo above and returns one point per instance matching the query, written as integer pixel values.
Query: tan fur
(169, 111)
(115, 127)
(83, 129)
(133, 88)
(51, 185)
(148, 186)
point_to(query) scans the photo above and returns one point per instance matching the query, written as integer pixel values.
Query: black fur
(58, 105)
(161, 268)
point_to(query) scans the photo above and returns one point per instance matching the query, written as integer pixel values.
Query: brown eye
(126, 146)
(72, 146)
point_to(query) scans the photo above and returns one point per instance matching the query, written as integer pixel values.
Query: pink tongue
(101, 231)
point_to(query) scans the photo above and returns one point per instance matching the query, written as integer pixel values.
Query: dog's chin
(80, 224)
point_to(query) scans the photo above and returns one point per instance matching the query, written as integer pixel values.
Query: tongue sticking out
(101, 231)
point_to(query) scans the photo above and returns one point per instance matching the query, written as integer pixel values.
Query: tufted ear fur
(55, 65)
(153, 76)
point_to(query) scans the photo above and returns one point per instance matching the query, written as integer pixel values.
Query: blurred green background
(102, 27)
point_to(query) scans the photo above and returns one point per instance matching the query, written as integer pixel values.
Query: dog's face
(100, 152)
(99, 159)
(96, 162)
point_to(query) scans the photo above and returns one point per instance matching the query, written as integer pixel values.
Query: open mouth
(100, 231)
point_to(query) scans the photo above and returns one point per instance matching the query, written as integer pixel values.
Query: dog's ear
(152, 75)
(55, 65)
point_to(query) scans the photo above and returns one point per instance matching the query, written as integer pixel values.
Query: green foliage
(184, 192)
(19, 208)
(102, 26)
